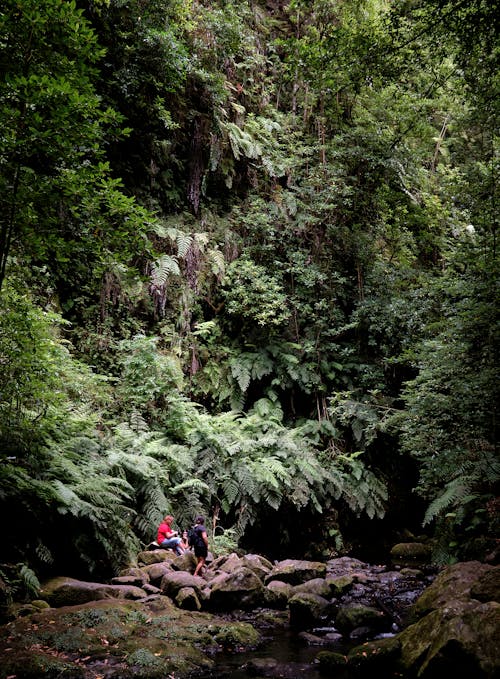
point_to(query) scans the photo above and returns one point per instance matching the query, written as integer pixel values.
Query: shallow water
(295, 659)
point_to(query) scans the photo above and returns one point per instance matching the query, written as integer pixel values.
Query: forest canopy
(248, 268)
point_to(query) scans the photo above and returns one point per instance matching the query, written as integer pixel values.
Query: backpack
(194, 537)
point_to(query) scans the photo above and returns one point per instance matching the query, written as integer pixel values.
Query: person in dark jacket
(201, 544)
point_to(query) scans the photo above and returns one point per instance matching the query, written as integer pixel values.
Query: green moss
(136, 641)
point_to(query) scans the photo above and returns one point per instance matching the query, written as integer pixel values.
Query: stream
(283, 654)
(289, 653)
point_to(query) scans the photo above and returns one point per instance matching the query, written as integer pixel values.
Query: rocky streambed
(249, 617)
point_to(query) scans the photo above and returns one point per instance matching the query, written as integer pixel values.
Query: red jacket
(164, 532)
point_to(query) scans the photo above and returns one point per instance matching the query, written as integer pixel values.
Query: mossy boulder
(339, 585)
(241, 588)
(187, 598)
(454, 582)
(356, 616)
(330, 662)
(307, 609)
(487, 586)
(118, 639)
(409, 553)
(277, 594)
(459, 639)
(378, 656)
(64, 591)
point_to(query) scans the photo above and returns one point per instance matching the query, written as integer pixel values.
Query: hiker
(200, 543)
(169, 538)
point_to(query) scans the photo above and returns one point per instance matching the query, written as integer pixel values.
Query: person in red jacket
(168, 538)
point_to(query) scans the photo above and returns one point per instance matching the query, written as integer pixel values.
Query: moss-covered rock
(487, 586)
(353, 616)
(409, 553)
(454, 582)
(307, 609)
(241, 588)
(379, 655)
(330, 662)
(118, 639)
(459, 639)
(64, 591)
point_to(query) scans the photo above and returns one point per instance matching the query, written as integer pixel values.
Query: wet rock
(409, 553)
(330, 662)
(307, 609)
(261, 666)
(311, 639)
(355, 616)
(379, 655)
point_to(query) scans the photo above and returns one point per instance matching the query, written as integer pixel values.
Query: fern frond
(30, 581)
(184, 242)
(162, 268)
(240, 370)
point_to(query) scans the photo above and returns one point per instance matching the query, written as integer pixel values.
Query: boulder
(258, 564)
(454, 582)
(379, 656)
(173, 581)
(227, 563)
(339, 585)
(68, 592)
(185, 562)
(487, 586)
(330, 662)
(459, 639)
(187, 599)
(456, 625)
(295, 571)
(278, 593)
(156, 571)
(157, 556)
(140, 574)
(355, 616)
(410, 553)
(307, 609)
(239, 589)
(314, 586)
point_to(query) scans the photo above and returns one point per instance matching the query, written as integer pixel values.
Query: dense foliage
(248, 268)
